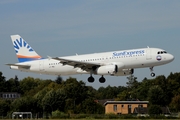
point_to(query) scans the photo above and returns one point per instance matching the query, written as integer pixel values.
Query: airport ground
(86, 119)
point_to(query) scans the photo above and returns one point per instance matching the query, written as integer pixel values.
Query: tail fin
(24, 51)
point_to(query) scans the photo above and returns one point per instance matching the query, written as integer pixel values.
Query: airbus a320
(114, 63)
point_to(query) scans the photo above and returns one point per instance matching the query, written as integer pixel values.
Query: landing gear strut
(152, 73)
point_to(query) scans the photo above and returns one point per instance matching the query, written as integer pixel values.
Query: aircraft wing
(19, 65)
(83, 65)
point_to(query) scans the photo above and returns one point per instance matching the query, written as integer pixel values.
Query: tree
(123, 96)
(141, 91)
(163, 83)
(132, 86)
(2, 82)
(4, 107)
(61, 97)
(59, 80)
(49, 101)
(28, 84)
(101, 93)
(154, 110)
(132, 81)
(174, 84)
(25, 104)
(175, 103)
(12, 85)
(92, 93)
(39, 97)
(89, 106)
(110, 92)
(75, 90)
(17, 84)
(155, 95)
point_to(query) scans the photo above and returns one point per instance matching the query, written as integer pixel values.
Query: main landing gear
(101, 79)
(152, 73)
(91, 79)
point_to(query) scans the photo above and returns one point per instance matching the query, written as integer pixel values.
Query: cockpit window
(161, 52)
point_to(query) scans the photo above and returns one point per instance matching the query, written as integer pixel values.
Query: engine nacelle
(107, 70)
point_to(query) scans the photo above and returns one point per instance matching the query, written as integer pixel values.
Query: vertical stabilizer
(23, 50)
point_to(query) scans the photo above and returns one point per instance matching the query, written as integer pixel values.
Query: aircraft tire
(152, 74)
(102, 80)
(91, 79)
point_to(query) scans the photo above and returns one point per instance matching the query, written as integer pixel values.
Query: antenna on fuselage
(147, 46)
(49, 57)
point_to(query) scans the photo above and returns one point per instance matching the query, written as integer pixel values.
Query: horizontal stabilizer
(21, 66)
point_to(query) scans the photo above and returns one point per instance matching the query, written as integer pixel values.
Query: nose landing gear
(152, 73)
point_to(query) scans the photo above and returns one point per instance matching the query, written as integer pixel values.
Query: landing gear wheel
(102, 79)
(152, 74)
(91, 79)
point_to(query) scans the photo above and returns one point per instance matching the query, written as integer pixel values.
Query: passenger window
(158, 52)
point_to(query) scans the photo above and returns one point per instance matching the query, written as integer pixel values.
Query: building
(9, 95)
(124, 107)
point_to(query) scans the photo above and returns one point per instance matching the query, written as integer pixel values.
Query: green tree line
(43, 97)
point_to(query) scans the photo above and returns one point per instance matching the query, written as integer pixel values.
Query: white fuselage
(127, 59)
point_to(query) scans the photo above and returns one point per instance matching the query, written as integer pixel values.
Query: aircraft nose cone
(171, 57)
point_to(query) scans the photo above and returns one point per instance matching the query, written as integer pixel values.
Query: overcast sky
(66, 27)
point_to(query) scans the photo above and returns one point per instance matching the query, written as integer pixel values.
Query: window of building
(140, 106)
(115, 107)
(122, 106)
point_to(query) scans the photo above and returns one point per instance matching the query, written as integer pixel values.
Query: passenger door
(148, 54)
(41, 65)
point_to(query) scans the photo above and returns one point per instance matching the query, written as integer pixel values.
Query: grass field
(89, 119)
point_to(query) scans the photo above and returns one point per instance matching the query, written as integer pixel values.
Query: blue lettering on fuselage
(128, 53)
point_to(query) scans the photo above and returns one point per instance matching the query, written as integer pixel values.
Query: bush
(57, 114)
(111, 116)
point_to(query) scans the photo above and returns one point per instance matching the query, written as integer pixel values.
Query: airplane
(114, 63)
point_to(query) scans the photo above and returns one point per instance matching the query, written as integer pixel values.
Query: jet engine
(107, 70)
